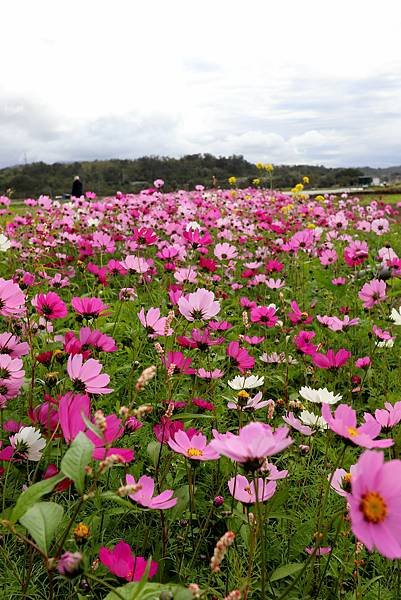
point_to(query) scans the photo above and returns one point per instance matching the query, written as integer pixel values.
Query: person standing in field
(77, 187)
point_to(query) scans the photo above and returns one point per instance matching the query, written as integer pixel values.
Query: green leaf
(76, 459)
(33, 494)
(42, 521)
(286, 571)
(150, 591)
(153, 449)
(187, 416)
(182, 493)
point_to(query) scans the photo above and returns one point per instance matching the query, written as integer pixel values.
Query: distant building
(376, 181)
(365, 181)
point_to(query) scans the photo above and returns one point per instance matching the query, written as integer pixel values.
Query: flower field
(200, 397)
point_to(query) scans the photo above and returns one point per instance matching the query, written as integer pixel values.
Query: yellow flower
(320, 198)
(260, 166)
(311, 226)
(256, 181)
(305, 180)
(232, 180)
(298, 188)
(269, 168)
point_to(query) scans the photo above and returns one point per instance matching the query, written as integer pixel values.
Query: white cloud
(283, 82)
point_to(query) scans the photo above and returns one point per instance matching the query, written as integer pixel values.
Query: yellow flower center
(194, 452)
(243, 394)
(304, 315)
(81, 531)
(352, 431)
(346, 482)
(247, 489)
(373, 507)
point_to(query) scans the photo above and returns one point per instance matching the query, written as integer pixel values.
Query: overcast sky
(283, 82)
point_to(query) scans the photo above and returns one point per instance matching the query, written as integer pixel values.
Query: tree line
(107, 176)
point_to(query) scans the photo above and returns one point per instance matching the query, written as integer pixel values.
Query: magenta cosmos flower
(199, 305)
(89, 307)
(255, 442)
(264, 315)
(50, 306)
(374, 504)
(12, 299)
(86, 376)
(145, 497)
(331, 360)
(245, 491)
(240, 356)
(344, 424)
(373, 293)
(194, 448)
(121, 562)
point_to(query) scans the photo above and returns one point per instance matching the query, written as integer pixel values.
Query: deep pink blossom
(89, 307)
(373, 293)
(194, 448)
(121, 562)
(332, 359)
(240, 356)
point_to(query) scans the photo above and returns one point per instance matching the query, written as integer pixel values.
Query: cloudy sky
(283, 82)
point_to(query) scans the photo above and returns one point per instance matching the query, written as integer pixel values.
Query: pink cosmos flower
(50, 306)
(254, 340)
(389, 416)
(89, 307)
(255, 442)
(382, 334)
(194, 448)
(135, 264)
(328, 257)
(11, 345)
(87, 376)
(180, 363)
(45, 414)
(275, 284)
(246, 492)
(331, 360)
(199, 305)
(12, 299)
(225, 251)
(11, 369)
(296, 424)
(340, 480)
(264, 315)
(380, 226)
(246, 403)
(214, 374)
(166, 429)
(121, 562)
(70, 410)
(344, 424)
(363, 363)
(145, 497)
(243, 360)
(373, 293)
(297, 316)
(302, 342)
(200, 339)
(339, 281)
(154, 323)
(88, 339)
(374, 504)
(356, 253)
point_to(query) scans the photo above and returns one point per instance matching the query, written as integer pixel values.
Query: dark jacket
(77, 188)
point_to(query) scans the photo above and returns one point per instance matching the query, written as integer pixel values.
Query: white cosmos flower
(29, 443)
(246, 383)
(193, 225)
(385, 344)
(5, 243)
(309, 418)
(319, 396)
(396, 316)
